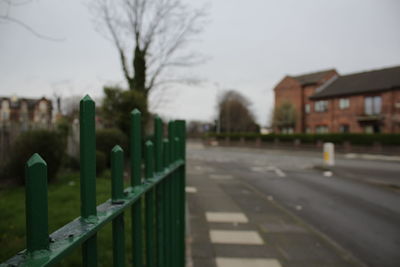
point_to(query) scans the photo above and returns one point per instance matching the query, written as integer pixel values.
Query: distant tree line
(234, 114)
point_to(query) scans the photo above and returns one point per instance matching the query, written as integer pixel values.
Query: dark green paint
(150, 205)
(88, 157)
(172, 192)
(117, 170)
(136, 147)
(167, 207)
(118, 228)
(117, 197)
(176, 207)
(181, 133)
(88, 175)
(160, 193)
(136, 180)
(37, 234)
(89, 251)
(158, 132)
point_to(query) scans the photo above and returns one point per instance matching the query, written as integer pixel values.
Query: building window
(307, 108)
(370, 129)
(308, 130)
(344, 103)
(321, 106)
(344, 128)
(5, 110)
(320, 129)
(287, 130)
(372, 105)
(5, 115)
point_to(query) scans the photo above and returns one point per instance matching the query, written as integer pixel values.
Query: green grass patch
(64, 206)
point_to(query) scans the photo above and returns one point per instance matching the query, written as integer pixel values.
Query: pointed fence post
(158, 146)
(37, 235)
(181, 133)
(172, 258)
(117, 191)
(177, 206)
(160, 192)
(150, 203)
(88, 175)
(135, 142)
(167, 205)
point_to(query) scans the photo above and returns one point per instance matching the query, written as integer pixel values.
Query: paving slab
(229, 217)
(191, 189)
(243, 262)
(250, 251)
(235, 237)
(233, 226)
(204, 262)
(221, 176)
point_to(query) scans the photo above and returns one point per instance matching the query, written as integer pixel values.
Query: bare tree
(150, 36)
(6, 6)
(70, 106)
(234, 114)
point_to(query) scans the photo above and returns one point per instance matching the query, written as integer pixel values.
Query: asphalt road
(357, 205)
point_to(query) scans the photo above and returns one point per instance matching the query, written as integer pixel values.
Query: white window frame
(307, 108)
(321, 129)
(341, 128)
(372, 106)
(344, 103)
(321, 106)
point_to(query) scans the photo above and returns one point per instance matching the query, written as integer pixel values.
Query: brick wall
(334, 117)
(289, 90)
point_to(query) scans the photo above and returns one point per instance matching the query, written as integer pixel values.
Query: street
(355, 205)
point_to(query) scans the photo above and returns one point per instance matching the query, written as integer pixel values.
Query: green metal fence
(159, 197)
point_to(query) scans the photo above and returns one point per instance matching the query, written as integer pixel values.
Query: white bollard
(329, 154)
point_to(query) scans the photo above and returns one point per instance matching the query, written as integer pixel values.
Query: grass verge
(64, 206)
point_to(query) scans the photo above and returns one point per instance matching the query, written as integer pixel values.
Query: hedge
(49, 144)
(106, 139)
(337, 138)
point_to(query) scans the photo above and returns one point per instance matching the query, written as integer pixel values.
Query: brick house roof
(30, 101)
(364, 82)
(312, 78)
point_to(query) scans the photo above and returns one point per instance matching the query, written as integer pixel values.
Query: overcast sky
(250, 45)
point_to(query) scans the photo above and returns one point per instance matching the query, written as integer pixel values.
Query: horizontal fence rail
(157, 201)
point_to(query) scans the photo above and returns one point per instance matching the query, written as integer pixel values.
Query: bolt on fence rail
(160, 197)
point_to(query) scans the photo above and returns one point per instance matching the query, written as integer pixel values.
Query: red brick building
(325, 102)
(25, 112)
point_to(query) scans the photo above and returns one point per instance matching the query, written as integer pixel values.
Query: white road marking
(220, 176)
(258, 169)
(247, 262)
(277, 171)
(235, 237)
(204, 168)
(191, 189)
(228, 217)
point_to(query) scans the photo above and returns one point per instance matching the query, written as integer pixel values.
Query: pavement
(233, 224)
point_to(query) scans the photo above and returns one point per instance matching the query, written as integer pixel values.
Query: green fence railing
(159, 197)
